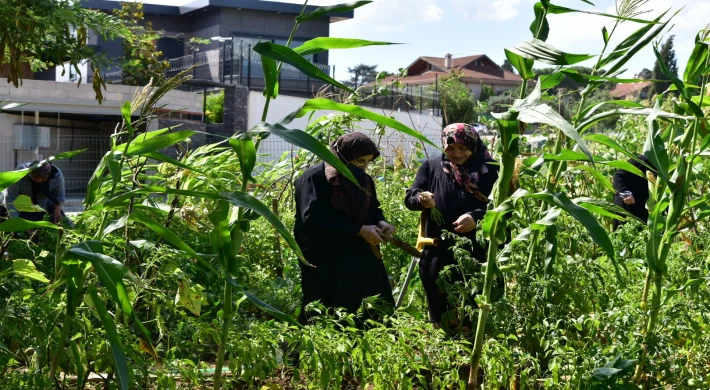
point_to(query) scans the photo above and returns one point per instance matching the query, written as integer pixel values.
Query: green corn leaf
(605, 35)
(220, 237)
(612, 144)
(246, 151)
(538, 50)
(544, 114)
(119, 357)
(308, 142)
(263, 305)
(549, 219)
(286, 55)
(589, 122)
(11, 177)
(628, 48)
(78, 364)
(115, 225)
(242, 199)
(329, 105)
(558, 10)
(694, 108)
(16, 225)
(551, 80)
(126, 113)
(598, 176)
(95, 181)
(568, 155)
(582, 215)
(170, 237)
(521, 64)
(271, 77)
(591, 109)
(625, 165)
(322, 44)
(333, 9)
(697, 62)
(169, 160)
(540, 27)
(153, 144)
(27, 269)
(604, 208)
(654, 148)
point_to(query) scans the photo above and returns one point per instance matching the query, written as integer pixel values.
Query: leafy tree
(215, 107)
(646, 74)
(456, 100)
(362, 74)
(669, 59)
(39, 34)
(141, 60)
(508, 66)
(486, 93)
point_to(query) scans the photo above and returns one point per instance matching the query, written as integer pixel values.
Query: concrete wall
(391, 143)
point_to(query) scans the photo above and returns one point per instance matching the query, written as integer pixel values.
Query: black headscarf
(347, 196)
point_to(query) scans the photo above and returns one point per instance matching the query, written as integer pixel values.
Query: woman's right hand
(371, 234)
(426, 200)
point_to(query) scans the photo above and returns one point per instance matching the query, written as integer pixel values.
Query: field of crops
(184, 273)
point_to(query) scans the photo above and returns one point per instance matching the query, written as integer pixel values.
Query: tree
(646, 74)
(669, 59)
(39, 34)
(362, 74)
(508, 66)
(486, 93)
(456, 100)
(141, 61)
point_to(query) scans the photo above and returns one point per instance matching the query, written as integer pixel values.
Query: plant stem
(226, 324)
(66, 328)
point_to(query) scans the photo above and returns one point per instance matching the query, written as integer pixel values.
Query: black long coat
(638, 186)
(453, 202)
(346, 270)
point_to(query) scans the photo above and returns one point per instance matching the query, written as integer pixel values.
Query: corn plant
(530, 109)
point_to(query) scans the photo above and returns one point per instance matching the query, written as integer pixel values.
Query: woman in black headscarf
(338, 228)
(457, 184)
(632, 190)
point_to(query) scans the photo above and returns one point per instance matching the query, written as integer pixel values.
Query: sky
(468, 27)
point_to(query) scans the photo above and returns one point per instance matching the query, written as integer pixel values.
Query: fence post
(421, 99)
(249, 68)
(223, 53)
(231, 61)
(194, 67)
(241, 62)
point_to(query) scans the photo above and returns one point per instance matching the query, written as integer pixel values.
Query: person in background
(455, 185)
(339, 227)
(45, 186)
(632, 190)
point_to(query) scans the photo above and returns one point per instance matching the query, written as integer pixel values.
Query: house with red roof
(477, 71)
(631, 91)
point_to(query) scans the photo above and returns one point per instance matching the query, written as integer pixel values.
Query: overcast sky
(467, 27)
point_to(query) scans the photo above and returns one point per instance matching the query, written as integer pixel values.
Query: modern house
(476, 70)
(50, 113)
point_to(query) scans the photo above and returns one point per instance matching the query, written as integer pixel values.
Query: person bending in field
(456, 186)
(338, 228)
(632, 190)
(45, 186)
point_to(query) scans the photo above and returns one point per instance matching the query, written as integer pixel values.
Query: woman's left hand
(465, 224)
(387, 228)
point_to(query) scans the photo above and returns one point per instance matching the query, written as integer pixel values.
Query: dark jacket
(346, 268)
(624, 181)
(452, 201)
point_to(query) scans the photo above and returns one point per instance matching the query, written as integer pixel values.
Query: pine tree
(508, 66)
(669, 59)
(362, 74)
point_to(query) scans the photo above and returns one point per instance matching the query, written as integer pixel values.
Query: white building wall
(391, 143)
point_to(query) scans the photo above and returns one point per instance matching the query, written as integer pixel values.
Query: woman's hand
(387, 228)
(426, 200)
(371, 234)
(465, 224)
(629, 200)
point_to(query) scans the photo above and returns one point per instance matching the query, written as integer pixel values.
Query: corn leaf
(538, 50)
(153, 144)
(246, 151)
(333, 9)
(263, 305)
(271, 77)
(697, 62)
(119, 357)
(15, 225)
(521, 64)
(322, 44)
(694, 108)
(628, 48)
(284, 54)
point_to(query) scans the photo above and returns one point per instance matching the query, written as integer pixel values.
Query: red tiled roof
(457, 62)
(623, 90)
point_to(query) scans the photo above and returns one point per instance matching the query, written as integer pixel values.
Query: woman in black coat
(338, 228)
(632, 190)
(457, 184)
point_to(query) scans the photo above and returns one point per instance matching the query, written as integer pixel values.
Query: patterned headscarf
(468, 174)
(353, 200)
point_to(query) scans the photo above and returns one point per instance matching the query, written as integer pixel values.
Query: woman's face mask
(362, 162)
